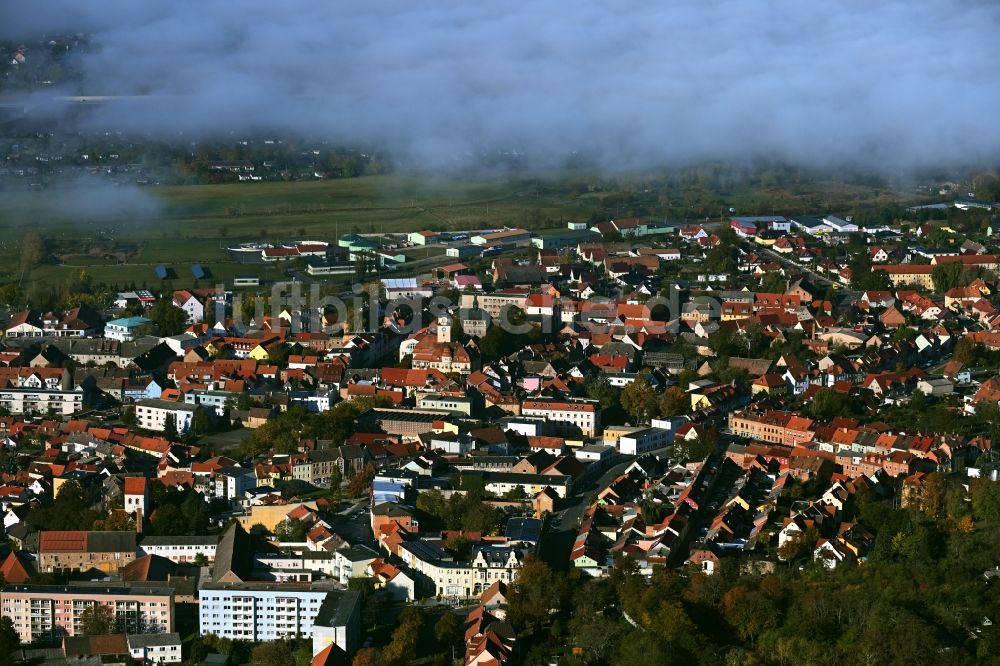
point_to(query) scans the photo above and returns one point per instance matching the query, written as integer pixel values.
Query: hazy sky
(893, 83)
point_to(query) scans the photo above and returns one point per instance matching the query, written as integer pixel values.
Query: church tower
(444, 329)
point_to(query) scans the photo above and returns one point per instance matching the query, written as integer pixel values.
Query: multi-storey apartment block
(567, 417)
(268, 611)
(42, 612)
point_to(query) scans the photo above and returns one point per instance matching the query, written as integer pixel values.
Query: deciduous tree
(639, 399)
(272, 653)
(169, 319)
(674, 402)
(98, 620)
(533, 595)
(448, 629)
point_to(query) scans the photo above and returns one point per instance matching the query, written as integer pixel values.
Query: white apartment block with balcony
(269, 611)
(41, 401)
(258, 612)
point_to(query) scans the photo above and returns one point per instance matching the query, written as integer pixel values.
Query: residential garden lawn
(223, 443)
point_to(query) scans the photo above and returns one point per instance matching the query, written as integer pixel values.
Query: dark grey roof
(233, 471)
(523, 274)
(352, 451)
(425, 551)
(40, 656)
(167, 404)
(807, 221)
(523, 529)
(110, 542)
(337, 608)
(86, 587)
(323, 455)
(537, 367)
(183, 540)
(358, 553)
(495, 556)
(155, 357)
(390, 509)
(152, 640)
(511, 477)
(233, 555)
(618, 349)
(21, 531)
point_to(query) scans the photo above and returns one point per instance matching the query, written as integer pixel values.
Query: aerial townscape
(396, 355)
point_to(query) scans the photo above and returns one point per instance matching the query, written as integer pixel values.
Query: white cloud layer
(880, 83)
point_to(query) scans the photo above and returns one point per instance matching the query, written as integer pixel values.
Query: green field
(177, 226)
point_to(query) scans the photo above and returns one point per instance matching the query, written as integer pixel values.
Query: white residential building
(193, 308)
(671, 424)
(448, 403)
(437, 573)
(136, 495)
(152, 414)
(352, 562)
(41, 401)
(423, 237)
(839, 225)
(594, 453)
(494, 303)
(268, 612)
(213, 401)
(567, 417)
(155, 648)
(125, 329)
(501, 483)
(644, 441)
(126, 298)
(180, 549)
(231, 483)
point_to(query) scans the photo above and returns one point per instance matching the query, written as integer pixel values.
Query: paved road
(557, 542)
(355, 528)
(777, 256)
(357, 506)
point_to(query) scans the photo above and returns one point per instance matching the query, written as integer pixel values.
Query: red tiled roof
(62, 542)
(331, 655)
(13, 569)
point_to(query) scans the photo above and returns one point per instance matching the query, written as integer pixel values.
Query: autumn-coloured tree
(361, 482)
(368, 657)
(674, 402)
